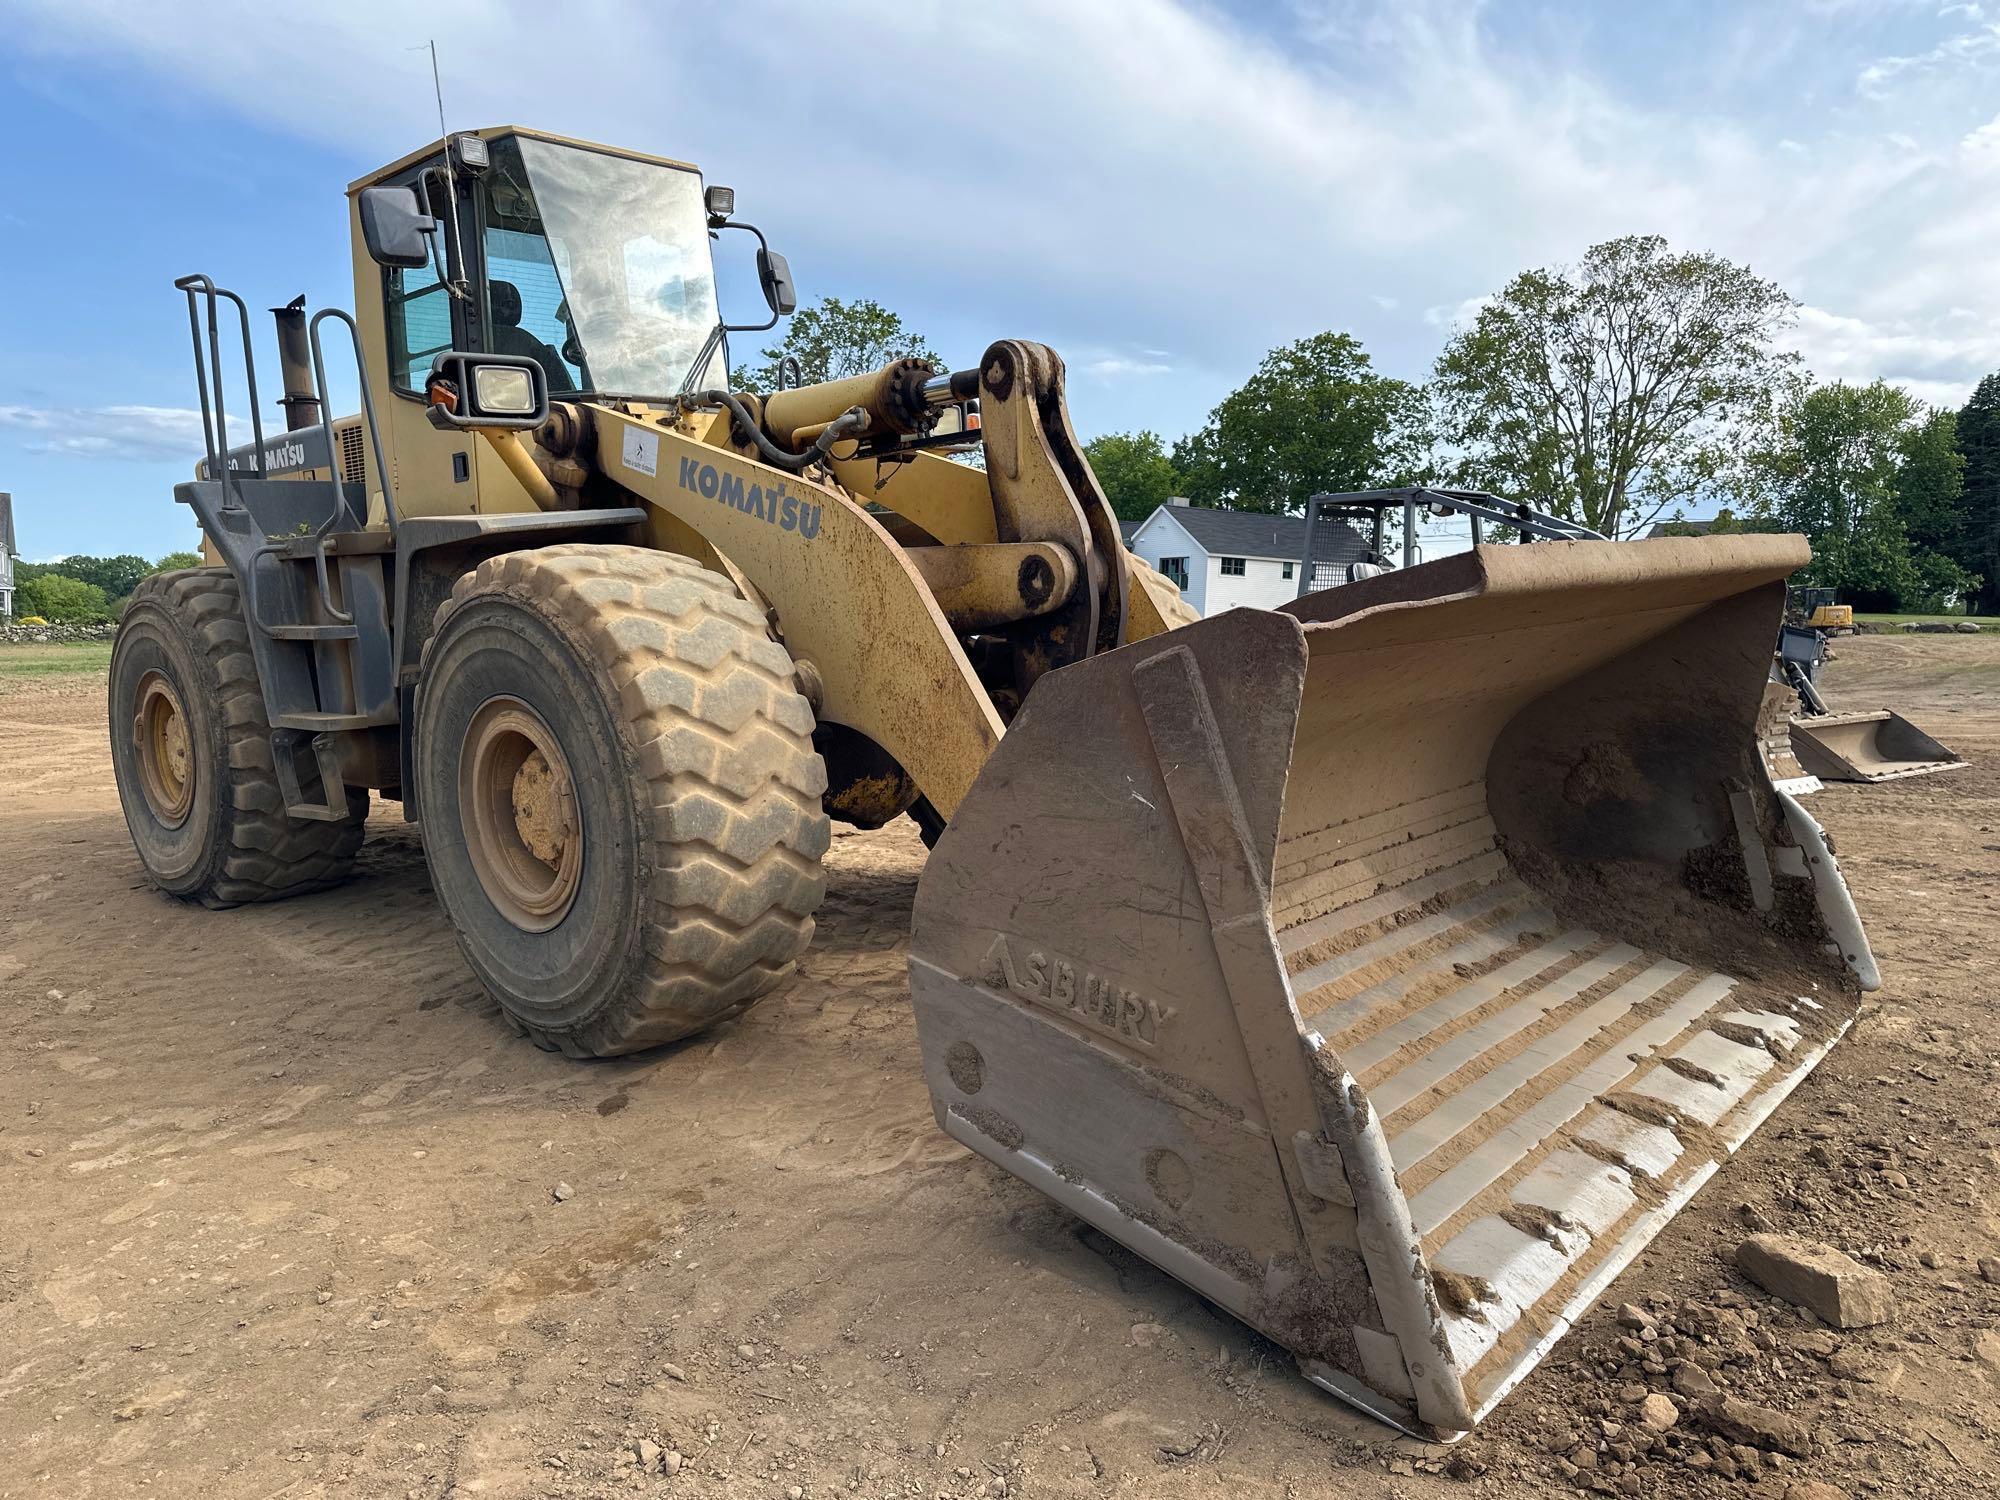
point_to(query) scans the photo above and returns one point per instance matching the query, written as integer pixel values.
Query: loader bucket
(1878, 746)
(1391, 968)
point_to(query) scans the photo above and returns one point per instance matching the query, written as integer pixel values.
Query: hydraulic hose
(849, 423)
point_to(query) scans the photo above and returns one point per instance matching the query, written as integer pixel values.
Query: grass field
(1861, 619)
(26, 661)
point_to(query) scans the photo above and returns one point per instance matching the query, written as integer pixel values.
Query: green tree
(116, 576)
(1314, 417)
(1977, 549)
(1837, 472)
(173, 562)
(1134, 472)
(1930, 483)
(834, 339)
(1615, 391)
(1725, 523)
(60, 599)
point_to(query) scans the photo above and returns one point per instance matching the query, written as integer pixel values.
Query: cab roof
(494, 132)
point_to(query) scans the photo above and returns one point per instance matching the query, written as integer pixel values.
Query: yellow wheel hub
(517, 805)
(166, 759)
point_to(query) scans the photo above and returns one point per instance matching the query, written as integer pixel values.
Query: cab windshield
(597, 267)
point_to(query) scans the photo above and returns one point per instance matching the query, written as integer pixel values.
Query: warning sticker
(642, 450)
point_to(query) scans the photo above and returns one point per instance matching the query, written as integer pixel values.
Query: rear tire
(191, 749)
(618, 794)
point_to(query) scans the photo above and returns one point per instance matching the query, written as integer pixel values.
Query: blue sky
(1160, 190)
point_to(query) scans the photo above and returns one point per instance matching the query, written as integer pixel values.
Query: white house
(6, 557)
(1223, 558)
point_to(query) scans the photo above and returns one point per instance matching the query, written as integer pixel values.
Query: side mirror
(395, 227)
(775, 273)
(486, 390)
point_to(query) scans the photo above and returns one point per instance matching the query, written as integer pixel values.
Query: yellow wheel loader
(1388, 967)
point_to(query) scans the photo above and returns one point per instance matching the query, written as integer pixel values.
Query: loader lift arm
(885, 626)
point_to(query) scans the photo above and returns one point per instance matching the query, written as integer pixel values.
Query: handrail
(215, 433)
(210, 373)
(367, 409)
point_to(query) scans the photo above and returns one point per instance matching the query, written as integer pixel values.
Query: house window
(1232, 567)
(1176, 569)
(1288, 571)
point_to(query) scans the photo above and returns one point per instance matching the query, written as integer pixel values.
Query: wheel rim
(166, 758)
(517, 805)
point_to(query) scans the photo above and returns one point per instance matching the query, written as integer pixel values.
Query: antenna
(459, 287)
(438, 89)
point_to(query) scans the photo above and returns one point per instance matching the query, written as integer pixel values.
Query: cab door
(408, 317)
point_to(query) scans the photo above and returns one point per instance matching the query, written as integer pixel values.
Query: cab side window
(419, 320)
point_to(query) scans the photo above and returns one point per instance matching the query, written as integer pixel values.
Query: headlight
(503, 390)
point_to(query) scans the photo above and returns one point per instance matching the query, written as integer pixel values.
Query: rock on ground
(1843, 1292)
(1658, 1413)
(1758, 1426)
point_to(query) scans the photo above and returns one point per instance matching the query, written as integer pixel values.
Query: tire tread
(266, 854)
(721, 738)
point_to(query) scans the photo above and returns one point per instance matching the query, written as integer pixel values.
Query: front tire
(191, 749)
(618, 793)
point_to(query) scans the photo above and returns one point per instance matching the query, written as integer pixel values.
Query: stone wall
(45, 634)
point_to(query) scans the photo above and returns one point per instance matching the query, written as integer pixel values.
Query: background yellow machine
(1388, 968)
(1865, 745)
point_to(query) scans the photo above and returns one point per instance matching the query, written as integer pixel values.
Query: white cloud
(1459, 315)
(1119, 366)
(142, 434)
(1981, 148)
(1935, 359)
(1156, 171)
(1972, 48)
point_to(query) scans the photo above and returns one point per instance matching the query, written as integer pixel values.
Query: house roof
(1243, 533)
(1246, 533)
(1680, 528)
(7, 547)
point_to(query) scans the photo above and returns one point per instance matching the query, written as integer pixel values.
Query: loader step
(312, 632)
(357, 543)
(291, 751)
(318, 722)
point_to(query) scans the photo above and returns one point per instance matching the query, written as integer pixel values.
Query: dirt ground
(279, 1211)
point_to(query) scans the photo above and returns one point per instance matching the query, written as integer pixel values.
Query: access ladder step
(286, 745)
(319, 723)
(312, 632)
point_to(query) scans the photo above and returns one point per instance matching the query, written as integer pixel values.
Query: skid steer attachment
(1391, 968)
(1878, 746)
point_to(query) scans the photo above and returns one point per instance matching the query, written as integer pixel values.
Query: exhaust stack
(300, 401)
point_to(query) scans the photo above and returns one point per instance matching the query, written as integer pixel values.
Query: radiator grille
(352, 466)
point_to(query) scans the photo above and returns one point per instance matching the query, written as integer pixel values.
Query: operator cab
(593, 262)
